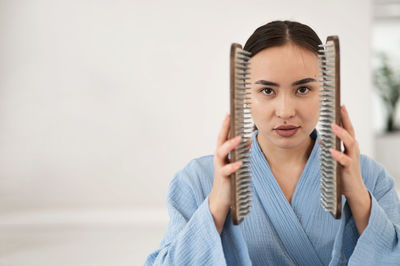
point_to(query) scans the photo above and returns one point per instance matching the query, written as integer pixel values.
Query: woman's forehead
(288, 61)
(286, 54)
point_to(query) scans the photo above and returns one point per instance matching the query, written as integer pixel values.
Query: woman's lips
(286, 132)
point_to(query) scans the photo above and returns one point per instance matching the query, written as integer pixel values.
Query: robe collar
(276, 206)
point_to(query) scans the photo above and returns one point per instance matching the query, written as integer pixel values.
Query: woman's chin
(287, 146)
(284, 142)
(288, 143)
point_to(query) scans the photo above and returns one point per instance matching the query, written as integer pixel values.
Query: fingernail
(344, 108)
(335, 127)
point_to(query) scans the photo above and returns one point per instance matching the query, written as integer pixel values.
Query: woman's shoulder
(369, 164)
(197, 175)
(374, 173)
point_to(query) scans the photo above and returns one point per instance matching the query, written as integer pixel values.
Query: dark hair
(278, 33)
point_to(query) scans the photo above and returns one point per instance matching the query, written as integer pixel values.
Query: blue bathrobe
(277, 232)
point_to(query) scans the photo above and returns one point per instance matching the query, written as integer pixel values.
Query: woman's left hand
(352, 184)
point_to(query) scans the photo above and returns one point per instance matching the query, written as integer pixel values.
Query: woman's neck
(292, 157)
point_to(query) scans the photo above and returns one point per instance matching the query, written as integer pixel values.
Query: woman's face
(285, 91)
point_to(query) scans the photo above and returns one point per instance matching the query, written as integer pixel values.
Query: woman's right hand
(220, 196)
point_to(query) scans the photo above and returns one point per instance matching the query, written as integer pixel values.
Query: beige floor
(77, 245)
(80, 239)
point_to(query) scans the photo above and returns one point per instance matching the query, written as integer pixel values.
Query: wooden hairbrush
(240, 125)
(331, 196)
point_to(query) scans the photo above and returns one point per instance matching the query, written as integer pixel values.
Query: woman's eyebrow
(303, 81)
(266, 82)
(270, 83)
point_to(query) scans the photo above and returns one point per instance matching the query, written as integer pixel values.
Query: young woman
(287, 225)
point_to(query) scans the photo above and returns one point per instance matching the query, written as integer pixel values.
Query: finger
(348, 141)
(231, 168)
(340, 157)
(346, 121)
(224, 149)
(223, 133)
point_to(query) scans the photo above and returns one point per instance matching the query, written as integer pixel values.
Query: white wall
(103, 101)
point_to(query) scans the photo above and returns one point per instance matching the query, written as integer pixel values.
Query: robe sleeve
(191, 237)
(379, 243)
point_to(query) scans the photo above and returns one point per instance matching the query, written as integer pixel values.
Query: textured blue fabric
(278, 232)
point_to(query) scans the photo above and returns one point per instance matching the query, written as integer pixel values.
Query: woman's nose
(285, 108)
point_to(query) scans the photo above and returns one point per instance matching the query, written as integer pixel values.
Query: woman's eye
(267, 91)
(303, 90)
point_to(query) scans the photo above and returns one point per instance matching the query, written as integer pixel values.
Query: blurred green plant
(387, 83)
